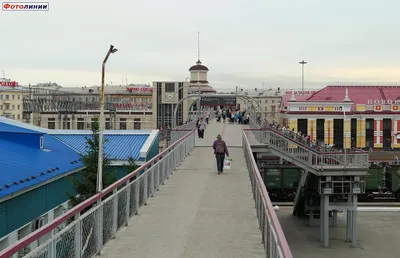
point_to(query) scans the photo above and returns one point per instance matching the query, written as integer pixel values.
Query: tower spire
(198, 46)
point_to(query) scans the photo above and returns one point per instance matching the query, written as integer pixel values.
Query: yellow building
(11, 102)
(347, 116)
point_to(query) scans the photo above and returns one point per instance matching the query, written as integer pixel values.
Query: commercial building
(11, 99)
(168, 94)
(352, 116)
(38, 165)
(126, 107)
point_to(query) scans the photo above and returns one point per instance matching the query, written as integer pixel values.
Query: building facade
(11, 99)
(166, 96)
(360, 117)
(126, 107)
(269, 102)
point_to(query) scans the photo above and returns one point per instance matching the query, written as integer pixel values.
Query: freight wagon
(281, 181)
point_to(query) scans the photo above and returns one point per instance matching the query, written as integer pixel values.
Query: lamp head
(112, 49)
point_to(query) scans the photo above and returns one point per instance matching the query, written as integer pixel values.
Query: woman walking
(201, 128)
(220, 150)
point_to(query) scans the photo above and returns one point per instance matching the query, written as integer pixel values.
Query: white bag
(227, 164)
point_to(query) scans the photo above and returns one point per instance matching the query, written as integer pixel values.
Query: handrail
(267, 202)
(298, 142)
(46, 229)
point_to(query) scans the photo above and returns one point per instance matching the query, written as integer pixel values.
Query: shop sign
(9, 84)
(383, 102)
(300, 92)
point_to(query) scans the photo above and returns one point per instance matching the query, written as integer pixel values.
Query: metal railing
(83, 230)
(291, 149)
(274, 240)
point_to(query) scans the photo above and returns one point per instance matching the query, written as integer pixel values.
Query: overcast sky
(242, 42)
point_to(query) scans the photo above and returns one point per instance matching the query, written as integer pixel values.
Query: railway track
(360, 204)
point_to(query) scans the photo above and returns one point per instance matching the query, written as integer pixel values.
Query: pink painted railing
(274, 240)
(83, 230)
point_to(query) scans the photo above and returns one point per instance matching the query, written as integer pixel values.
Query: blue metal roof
(7, 128)
(22, 166)
(117, 146)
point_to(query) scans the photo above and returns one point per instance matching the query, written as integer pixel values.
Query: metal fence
(83, 230)
(274, 240)
(299, 151)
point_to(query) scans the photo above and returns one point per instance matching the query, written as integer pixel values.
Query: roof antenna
(198, 47)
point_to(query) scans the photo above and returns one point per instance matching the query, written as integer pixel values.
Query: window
(266, 101)
(13, 96)
(7, 97)
(38, 223)
(273, 101)
(66, 123)
(266, 108)
(13, 106)
(122, 124)
(80, 124)
(273, 109)
(136, 124)
(108, 124)
(19, 97)
(19, 116)
(19, 107)
(94, 120)
(51, 123)
(169, 87)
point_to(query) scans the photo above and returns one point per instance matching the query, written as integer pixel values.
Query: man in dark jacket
(220, 150)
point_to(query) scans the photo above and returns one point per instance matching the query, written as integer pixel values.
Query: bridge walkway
(197, 213)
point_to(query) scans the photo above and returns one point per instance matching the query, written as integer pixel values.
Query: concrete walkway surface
(197, 213)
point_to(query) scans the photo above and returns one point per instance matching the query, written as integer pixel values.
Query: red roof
(198, 67)
(357, 94)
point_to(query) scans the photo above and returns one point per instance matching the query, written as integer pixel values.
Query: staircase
(318, 163)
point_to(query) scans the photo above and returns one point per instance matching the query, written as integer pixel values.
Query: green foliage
(131, 166)
(86, 186)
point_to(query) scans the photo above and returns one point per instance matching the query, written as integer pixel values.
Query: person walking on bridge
(201, 128)
(220, 150)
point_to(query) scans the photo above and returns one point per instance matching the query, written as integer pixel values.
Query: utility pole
(237, 91)
(302, 62)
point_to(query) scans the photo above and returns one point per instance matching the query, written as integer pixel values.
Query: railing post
(100, 226)
(128, 201)
(145, 188)
(137, 196)
(78, 235)
(53, 245)
(115, 212)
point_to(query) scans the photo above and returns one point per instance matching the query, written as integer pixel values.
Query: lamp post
(344, 136)
(101, 123)
(302, 62)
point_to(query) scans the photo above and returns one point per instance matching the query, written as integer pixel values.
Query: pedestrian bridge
(173, 206)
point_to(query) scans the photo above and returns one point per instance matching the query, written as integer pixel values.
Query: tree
(131, 166)
(85, 186)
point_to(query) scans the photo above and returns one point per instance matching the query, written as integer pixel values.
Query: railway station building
(362, 117)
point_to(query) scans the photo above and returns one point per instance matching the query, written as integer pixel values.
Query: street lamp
(101, 123)
(344, 136)
(302, 62)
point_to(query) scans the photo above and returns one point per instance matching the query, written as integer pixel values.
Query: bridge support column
(333, 194)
